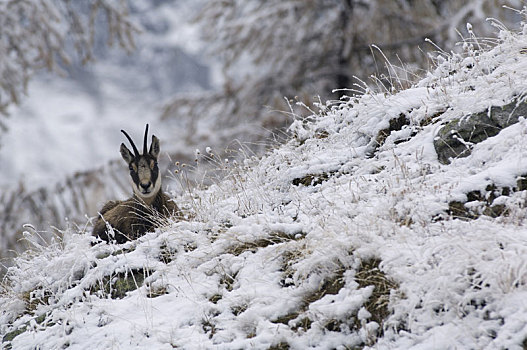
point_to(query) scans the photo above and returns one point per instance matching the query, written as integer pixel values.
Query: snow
(247, 268)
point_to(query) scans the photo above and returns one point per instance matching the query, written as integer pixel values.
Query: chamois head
(144, 171)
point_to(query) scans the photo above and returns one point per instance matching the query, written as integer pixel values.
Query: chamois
(137, 215)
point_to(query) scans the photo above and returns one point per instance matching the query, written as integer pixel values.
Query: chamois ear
(126, 154)
(154, 147)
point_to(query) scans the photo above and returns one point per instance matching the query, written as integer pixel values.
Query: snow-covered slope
(350, 235)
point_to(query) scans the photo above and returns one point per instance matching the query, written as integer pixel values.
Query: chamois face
(144, 171)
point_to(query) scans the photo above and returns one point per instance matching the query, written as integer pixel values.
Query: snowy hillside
(393, 221)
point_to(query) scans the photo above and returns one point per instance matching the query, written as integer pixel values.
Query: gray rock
(456, 138)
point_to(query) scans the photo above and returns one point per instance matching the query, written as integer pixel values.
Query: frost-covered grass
(340, 238)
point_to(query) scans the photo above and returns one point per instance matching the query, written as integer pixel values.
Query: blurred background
(224, 74)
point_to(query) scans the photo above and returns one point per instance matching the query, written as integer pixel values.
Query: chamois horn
(145, 151)
(131, 142)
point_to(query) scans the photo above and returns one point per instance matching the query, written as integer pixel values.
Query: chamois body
(139, 214)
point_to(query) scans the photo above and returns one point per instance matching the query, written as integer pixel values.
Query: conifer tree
(307, 48)
(47, 34)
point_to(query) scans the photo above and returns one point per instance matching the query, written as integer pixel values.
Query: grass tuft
(369, 274)
(274, 238)
(279, 346)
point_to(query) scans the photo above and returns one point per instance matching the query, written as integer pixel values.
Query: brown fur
(132, 218)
